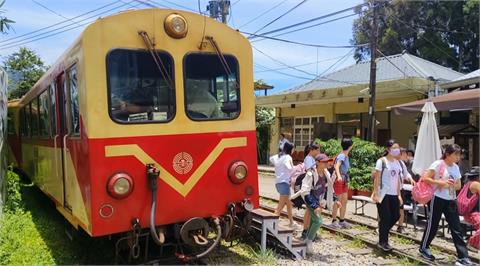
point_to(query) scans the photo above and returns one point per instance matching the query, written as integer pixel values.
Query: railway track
(404, 245)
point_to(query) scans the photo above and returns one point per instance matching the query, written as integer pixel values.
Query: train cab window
(211, 88)
(44, 114)
(140, 91)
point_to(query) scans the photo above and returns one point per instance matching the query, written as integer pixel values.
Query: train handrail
(55, 154)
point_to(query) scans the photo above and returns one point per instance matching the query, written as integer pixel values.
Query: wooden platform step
(298, 243)
(262, 214)
(280, 228)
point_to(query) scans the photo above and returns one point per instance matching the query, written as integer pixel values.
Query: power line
(421, 36)
(53, 32)
(304, 28)
(305, 44)
(283, 73)
(59, 23)
(45, 7)
(175, 4)
(301, 65)
(282, 63)
(263, 13)
(282, 15)
(311, 20)
(403, 72)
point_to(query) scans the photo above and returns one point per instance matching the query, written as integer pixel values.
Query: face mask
(395, 152)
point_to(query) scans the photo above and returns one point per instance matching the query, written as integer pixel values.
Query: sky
(32, 15)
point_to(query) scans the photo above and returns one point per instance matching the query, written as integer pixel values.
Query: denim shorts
(283, 189)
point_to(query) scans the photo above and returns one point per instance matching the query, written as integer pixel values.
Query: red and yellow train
(145, 124)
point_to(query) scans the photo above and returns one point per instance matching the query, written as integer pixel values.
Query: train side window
(11, 124)
(212, 90)
(52, 110)
(28, 124)
(22, 122)
(139, 92)
(44, 114)
(74, 111)
(34, 117)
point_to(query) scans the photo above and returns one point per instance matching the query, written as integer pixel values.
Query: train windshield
(139, 91)
(212, 89)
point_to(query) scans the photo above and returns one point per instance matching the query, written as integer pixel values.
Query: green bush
(363, 157)
(13, 199)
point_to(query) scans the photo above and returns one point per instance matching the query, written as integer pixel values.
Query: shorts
(283, 189)
(340, 187)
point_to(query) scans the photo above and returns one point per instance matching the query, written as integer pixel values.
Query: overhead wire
(301, 29)
(307, 44)
(310, 20)
(282, 15)
(423, 37)
(306, 64)
(403, 72)
(283, 73)
(262, 14)
(56, 31)
(59, 23)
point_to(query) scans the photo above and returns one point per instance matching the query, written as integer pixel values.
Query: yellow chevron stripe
(183, 189)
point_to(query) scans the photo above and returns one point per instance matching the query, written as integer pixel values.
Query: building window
(303, 130)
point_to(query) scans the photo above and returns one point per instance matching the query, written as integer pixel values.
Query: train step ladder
(269, 225)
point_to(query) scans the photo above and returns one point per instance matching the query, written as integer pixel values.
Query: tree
(24, 68)
(5, 23)
(264, 117)
(444, 32)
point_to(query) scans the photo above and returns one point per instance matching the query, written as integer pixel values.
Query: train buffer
(268, 225)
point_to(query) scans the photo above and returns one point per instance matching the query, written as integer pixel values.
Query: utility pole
(373, 75)
(219, 9)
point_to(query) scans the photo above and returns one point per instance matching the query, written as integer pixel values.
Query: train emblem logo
(182, 163)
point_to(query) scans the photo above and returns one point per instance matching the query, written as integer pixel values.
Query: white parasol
(428, 148)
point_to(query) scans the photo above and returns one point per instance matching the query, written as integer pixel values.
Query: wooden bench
(364, 200)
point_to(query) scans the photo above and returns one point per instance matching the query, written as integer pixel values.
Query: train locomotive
(145, 127)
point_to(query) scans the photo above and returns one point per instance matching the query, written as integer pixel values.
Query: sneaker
(385, 247)
(426, 254)
(345, 225)
(304, 235)
(400, 229)
(335, 225)
(309, 246)
(463, 262)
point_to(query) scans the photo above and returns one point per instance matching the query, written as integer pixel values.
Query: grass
(241, 254)
(403, 240)
(361, 227)
(32, 232)
(357, 243)
(407, 262)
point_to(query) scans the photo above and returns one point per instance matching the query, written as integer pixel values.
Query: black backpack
(298, 201)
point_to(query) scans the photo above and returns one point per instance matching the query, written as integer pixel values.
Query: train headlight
(238, 172)
(120, 185)
(176, 26)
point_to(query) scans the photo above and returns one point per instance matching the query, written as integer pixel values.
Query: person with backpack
(386, 192)
(444, 175)
(312, 192)
(311, 151)
(283, 163)
(340, 186)
(406, 177)
(471, 197)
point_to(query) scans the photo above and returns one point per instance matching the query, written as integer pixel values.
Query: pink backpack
(464, 203)
(422, 192)
(296, 171)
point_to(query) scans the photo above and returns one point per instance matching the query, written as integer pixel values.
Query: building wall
(402, 127)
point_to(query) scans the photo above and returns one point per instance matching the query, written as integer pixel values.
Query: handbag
(423, 192)
(464, 203)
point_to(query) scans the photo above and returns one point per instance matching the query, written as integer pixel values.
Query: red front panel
(209, 196)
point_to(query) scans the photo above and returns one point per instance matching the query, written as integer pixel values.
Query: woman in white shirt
(445, 175)
(386, 192)
(283, 163)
